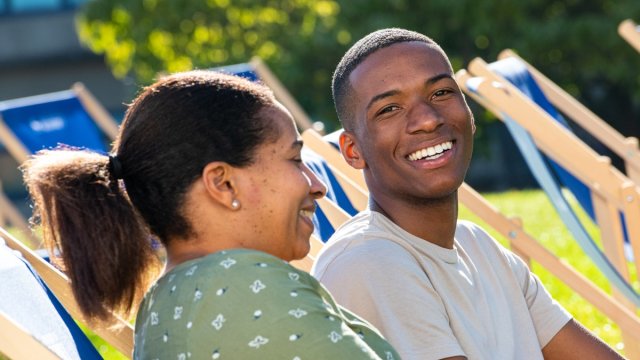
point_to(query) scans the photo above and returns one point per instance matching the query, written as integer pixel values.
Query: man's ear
(218, 180)
(350, 150)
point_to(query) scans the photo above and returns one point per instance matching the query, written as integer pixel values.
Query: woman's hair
(99, 212)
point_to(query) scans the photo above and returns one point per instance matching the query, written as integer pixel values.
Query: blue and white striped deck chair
(26, 300)
(508, 90)
(71, 117)
(24, 272)
(256, 70)
(559, 101)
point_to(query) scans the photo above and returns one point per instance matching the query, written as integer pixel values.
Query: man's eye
(387, 109)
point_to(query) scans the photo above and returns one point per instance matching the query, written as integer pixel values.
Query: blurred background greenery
(573, 42)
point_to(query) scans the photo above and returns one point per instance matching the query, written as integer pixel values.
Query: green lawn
(540, 221)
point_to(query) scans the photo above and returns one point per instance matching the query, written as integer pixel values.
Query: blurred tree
(573, 42)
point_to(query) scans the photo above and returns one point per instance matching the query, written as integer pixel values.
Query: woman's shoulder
(233, 268)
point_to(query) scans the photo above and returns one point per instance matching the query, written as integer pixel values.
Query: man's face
(413, 131)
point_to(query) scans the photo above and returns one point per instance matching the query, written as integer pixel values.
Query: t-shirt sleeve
(386, 292)
(273, 311)
(547, 314)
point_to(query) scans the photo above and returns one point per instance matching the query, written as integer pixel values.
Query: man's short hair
(369, 44)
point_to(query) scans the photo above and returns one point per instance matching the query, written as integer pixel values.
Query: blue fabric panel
(334, 192)
(27, 300)
(83, 344)
(48, 120)
(244, 70)
(517, 74)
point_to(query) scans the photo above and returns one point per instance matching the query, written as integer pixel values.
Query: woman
(210, 165)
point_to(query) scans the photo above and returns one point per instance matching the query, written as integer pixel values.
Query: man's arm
(573, 341)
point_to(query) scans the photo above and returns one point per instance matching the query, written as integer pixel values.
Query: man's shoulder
(359, 243)
(470, 233)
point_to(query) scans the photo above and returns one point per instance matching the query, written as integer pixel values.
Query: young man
(434, 286)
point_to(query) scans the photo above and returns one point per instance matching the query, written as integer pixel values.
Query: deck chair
(72, 117)
(605, 193)
(624, 147)
(256, 70)
(19, 343)
(27, 303)
(58, 288)
(521, 242)
(630, 31)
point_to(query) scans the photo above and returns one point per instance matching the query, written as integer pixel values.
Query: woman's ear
(219, 182)
(351, 151)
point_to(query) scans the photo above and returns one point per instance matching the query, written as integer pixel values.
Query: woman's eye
(442, 92)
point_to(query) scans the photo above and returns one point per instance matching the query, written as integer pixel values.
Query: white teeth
(306, 213)
(430, 151)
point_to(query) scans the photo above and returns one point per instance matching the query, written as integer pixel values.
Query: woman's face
(280, 191)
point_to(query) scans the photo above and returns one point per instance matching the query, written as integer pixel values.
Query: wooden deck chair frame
(612, 192)
(521, 242)
(625, 147)
(120, 338)
(630, 31)
(281, 93)
(17, 343)
(8, 212)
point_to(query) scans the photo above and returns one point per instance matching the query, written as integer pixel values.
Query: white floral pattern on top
(191, 270)
(218, 321)
(227, 263)
(297, 313)
(249, 305)
(154, 318)
(258, 341)
(177, 312)
(257, 286)
(294, 276)
(197, 295)
(334, 337)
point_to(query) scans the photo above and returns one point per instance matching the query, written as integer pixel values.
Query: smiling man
(436, 287)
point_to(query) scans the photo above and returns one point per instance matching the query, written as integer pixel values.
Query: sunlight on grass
(540, 220)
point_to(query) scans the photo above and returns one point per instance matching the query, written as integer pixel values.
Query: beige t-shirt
(478, 299)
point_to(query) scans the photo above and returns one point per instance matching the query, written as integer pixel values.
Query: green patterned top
(245, 304)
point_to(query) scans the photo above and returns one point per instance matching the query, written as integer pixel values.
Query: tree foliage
(573, 42)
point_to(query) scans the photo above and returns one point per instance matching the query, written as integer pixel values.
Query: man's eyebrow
(393, 92)
(381, 96)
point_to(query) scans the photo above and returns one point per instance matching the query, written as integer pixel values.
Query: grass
(541, 221)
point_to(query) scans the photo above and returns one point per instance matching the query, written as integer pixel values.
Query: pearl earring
(235, 204)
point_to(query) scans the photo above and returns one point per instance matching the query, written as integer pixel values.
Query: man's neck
(433, 220)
